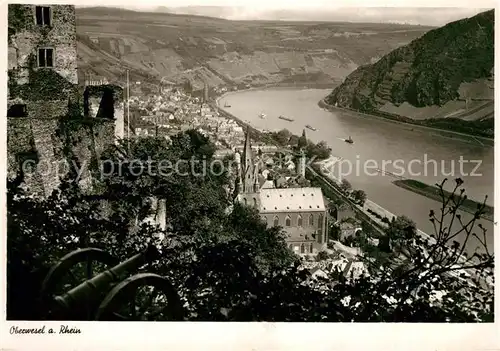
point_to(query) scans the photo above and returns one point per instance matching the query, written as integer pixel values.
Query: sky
(320, 10)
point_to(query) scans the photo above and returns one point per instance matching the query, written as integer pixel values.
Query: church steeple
(247, 150)
(302, 140)
(247, 164)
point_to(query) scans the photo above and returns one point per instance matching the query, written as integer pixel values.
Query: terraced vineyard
(223, 52)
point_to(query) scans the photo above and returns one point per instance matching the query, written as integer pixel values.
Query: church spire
(247, 150)
(302, 143)
(248, 147)
(248, 164)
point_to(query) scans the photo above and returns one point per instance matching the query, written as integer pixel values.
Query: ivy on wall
(74, 130)
(19, 18)
(70, 130)
(43, 84)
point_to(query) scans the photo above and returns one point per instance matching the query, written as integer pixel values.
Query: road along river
(382, 152)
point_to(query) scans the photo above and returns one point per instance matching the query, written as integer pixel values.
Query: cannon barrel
(92, 287)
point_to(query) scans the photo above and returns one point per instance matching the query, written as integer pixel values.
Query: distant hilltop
(224, 53)
(446, 73)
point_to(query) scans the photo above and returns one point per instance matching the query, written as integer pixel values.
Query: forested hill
(449, 68)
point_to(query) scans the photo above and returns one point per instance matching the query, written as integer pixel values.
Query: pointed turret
(302, 143)
(247, 150)
(247, 164)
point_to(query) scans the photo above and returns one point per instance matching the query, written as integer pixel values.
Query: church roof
(291, 200)
(262, 180)
(267, 185)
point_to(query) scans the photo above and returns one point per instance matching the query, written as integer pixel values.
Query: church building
(301, 212)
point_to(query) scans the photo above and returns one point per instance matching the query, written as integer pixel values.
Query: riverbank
(441, 132)
(433, 193)
(255, 133)
(280, 86)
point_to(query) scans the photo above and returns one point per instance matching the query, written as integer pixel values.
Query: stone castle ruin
(51, 121)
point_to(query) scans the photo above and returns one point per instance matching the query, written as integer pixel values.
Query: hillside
(221, 52)
(447, 73)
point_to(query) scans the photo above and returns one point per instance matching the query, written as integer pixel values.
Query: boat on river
(350, 141)
(310, 127)
(227, 105)
(285, 118)
(262, 115)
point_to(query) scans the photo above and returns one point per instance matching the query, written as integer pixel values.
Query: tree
(401, 229)
(303, 182)
(198, 225)
(440, 264)
(322, 151)
(230, 266)
(293, 141)
(322, 255)
(318, 151)
(282, 137)
(359, 196)
(302, 142)
(345, 186)
(334, 232)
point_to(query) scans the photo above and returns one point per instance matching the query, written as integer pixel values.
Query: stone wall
(47, 144)
(294, 240)
(19, 140)
(269, 217)
(25, 37)
(53, 134)
(119, 121)
(94, 96)
(85, 141)
(52, 150)
(31, 145)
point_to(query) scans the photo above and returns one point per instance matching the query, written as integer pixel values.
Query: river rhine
(422, 154)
